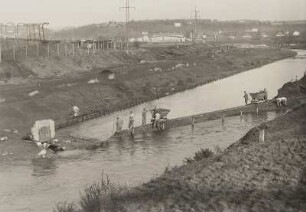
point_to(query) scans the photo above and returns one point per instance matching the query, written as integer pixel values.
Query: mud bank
(248, 176)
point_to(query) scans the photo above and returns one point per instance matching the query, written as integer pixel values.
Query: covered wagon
(259, 96)
(159, 118)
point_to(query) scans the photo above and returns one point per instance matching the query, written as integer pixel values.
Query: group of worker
(155, 118)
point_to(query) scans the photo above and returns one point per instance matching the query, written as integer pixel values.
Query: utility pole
(195, 30)
(127, 9)
(1, 25)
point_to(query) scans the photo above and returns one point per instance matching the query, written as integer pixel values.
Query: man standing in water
(119, 124)
(246, 97)
(144, 117)
(153, 116)
(266, 95)
(131, 122)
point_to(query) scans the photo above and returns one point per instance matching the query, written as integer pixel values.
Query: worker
(192, 122)
(266, 95)
(76, 111)
(119, 123)
(153, 116)
(131, 122)
(144, 117)
(156, 120)
(246, 97)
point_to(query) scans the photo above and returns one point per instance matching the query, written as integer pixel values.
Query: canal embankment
(293, 91)
(250, 175)
(153, 74)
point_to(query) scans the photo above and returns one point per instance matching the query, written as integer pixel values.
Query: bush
(180, 83)
(65, 207)
(100, 196)
(200, 155)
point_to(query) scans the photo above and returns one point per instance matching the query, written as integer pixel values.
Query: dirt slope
(291, 89)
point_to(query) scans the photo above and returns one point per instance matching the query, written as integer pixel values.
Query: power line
(127, 9)
(196, 17)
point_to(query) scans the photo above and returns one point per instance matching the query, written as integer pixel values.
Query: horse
(281, 101)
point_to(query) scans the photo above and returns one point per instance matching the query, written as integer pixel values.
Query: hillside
(115, 30)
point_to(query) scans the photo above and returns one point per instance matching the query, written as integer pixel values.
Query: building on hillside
(177, 25)
(280, 34)
(277, 23)
(296, 33)
(167, 37)
(264, 35)
(145, 37)
(247, 36)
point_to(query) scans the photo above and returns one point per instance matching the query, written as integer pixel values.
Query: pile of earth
(293, 89)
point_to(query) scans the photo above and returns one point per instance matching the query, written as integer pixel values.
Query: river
(37, 185)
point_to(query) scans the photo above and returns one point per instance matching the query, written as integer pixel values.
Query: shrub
(64, 207)
(180, 83)
(100, 196)
(218, 150)
(200, 155)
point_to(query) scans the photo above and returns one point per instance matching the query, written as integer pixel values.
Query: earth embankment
(142, 75)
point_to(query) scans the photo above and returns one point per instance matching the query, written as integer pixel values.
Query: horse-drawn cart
(259, 96)
(159, 118)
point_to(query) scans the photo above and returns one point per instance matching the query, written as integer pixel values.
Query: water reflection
(43, 167)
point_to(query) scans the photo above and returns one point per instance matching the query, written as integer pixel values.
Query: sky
(61, 13)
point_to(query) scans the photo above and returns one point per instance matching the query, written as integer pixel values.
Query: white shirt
(157, 116)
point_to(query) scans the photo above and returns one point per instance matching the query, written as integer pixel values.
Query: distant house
(253, 30)
(145, 37)
(280, 34)
(276, 23)
(177, 24)
(264, 35)
(247, 36)
(167, 37)
(108, 74)
(296, 33)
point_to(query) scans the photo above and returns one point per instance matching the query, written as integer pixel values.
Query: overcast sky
(62, 13)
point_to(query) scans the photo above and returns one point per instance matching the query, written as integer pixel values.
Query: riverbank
(14, 149)
(248, 176)
(163, 71)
